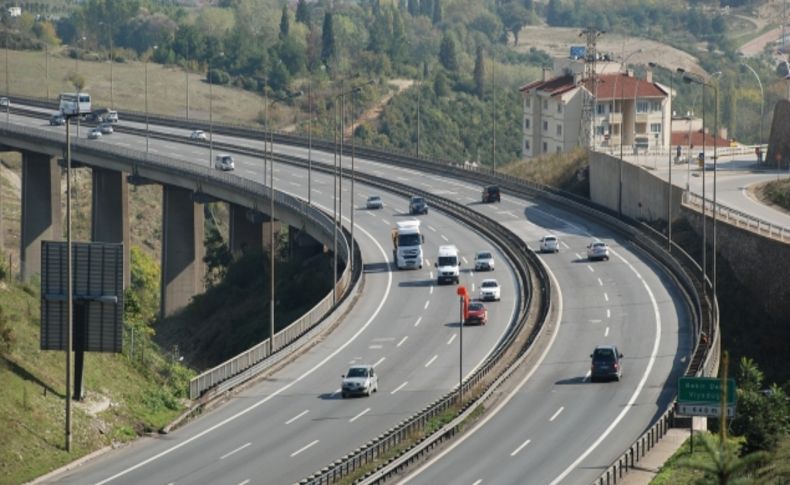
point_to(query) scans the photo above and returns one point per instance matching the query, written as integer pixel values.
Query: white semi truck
(407, 244)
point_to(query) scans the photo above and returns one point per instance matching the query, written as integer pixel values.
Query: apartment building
(630, 114)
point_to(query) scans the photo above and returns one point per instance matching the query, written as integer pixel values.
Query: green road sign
(701, 396)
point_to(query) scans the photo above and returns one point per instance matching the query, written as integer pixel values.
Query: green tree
(7, 336)
(426, 7)
(302, 12)
(413, 7)
(218, 257)
(76, 80)
(327, 39)
(479, 72)
(721, 462)
(285, 23)
(777, 471)
(437, 12)
(514, 17)
(448, 54)
(441, 85)
(763, 417)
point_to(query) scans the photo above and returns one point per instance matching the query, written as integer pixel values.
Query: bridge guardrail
(737, 218)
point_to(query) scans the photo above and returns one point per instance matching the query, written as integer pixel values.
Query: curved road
(562, 426)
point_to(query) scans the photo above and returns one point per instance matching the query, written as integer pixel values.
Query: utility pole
(590, 82)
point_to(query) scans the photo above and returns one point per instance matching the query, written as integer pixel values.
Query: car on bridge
(491, 194)
(417, 205)
(484, 261)
(359, 380)
(490, 290)
(606, 363)
(374, 202)
(199, 135)
(106, 129)
(549, 244)
(94, 134)
(597, 251)
(476, 313)
(57, 119)
(224, 162)
(5, 102)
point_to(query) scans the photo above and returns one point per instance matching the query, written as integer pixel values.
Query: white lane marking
(379, 361)
(464, 260)
(430, 291)
(639, 387)
(608, 313)
(337, 391)
(279, 391)
(296, 184)
(304, 448)
(578, 256)
(399, 387)
(402, 340)
(473, 287)
(605, 296)
(590, 268)
(444, 237)
(520, 447)
(451, 339)
(427, 262)
(245, 482)
(431, 361)
(315, 191)
(587, 376)
(417, 323)
(375, 347)
(234, 451)
(554, 416)
(600, 282)
(427, 303)
(564, 245)
(479, 480)
(430, 274)
(606, 332)
(432, 228)
(366, 411)
(297, 416)
(385, 221)
(507, 398)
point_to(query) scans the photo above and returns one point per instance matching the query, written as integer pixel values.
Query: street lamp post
(493, 118)
(309, 141)
(622, 134)
(146, 102)
(762, 97)
(211, 117)
(7, 89)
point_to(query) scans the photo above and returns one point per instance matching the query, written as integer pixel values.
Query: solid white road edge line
(639, 387)
(507, 398)
(278, 391)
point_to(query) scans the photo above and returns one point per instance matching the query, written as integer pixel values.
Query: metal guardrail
(737, 218)
(137, 160)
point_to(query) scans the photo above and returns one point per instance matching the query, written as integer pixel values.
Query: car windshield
(549, 238)
(490, 284)
(599, 245)
(603, 355)
(448, 261)
(407, 240)
(476, 306)
(357, 372)
(374, 198)
(417, 200)
(483, 255)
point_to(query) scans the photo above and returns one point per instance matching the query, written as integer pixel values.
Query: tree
(721, 463)
(285, 25)
(327, 39)
(514, 17)
(414, 7)
(448, 55)
(437, 12)
(479, 72)
(302, 12)
(76, 80)
(763, 417)
(426, 7)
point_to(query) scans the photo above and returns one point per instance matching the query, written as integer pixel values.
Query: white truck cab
(407, 244)
(448, 265)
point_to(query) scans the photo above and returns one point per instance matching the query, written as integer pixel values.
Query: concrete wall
(779, 140)
(110, 213)
(41, 216)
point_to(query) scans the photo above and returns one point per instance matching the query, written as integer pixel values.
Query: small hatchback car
(359, 380)
(94, 134)
(597, 250)
(549, 244)
(490, 290)
(491, 194)
(417, 205)
(606, 363)
(484, 261)
(476, 313)
(106, 129)
(198, 135)
(375, 202)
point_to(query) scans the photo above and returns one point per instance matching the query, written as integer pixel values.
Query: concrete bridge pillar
(183, 268)
(250, 229)
(110, 214)
(41, 216)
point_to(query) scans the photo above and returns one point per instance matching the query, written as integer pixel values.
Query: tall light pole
(46, 67)
(146, 102)
(211, 117)
(7, 88)
(309, 140)
(109, 36)
(623, 63)
(186, 78)
(493, 119)
(762, 97)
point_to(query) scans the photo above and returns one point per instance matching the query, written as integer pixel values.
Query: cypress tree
(285, 24)
(302, 12)
(327, 39)
(437, 11)
(479, 72)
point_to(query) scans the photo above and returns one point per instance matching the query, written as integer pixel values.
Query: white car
(94, 134)
(4, 102)
(359, 380)
(549, 244)
(198, 135)
(224, 162)
(484, 260)
(490, 290)
(375, 202)
(597, 250)
(106, 129)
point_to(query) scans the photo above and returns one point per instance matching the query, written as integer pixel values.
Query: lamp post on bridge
(762, 97)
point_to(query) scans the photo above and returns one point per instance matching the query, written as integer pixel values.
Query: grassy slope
(561, 171)
(777, 193)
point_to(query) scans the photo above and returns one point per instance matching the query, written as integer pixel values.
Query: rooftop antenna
(590, 80)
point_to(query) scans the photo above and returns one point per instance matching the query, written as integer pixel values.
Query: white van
(224, 162)
(448, 265)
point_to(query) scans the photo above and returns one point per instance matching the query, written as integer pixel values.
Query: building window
(642, 106)
(527, 102)
(655, 106)
(559, 129)
(559, 107)
(545, 126)
(545, 104)
(599, 130)
(526, 145)
(655, 127)
(559, 149)
(526, 123)
(600, 109)
(545, 147)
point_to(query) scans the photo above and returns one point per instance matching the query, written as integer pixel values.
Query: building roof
(553, 86)
(695, 138)
(623, 86)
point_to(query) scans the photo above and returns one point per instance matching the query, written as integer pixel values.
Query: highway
(557, 426)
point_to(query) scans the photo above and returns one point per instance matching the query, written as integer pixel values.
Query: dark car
(57, 119)
(417, 205)
(491, 194)
(606, 363)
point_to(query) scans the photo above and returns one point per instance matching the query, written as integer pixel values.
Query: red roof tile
(622, 86)
(557, 85)
(682, 138)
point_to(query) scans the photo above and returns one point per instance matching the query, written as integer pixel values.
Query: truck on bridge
(407, 244)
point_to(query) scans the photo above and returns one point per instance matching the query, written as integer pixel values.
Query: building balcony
(615, 118)
(642, 118)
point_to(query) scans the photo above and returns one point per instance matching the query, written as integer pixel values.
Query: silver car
(94, 134)
(106, 129)
(359, 380)
(484, 261)
(375, 202)
(597, 250)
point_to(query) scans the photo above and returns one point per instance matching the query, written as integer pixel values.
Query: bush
(218, 76)
(7, 336)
